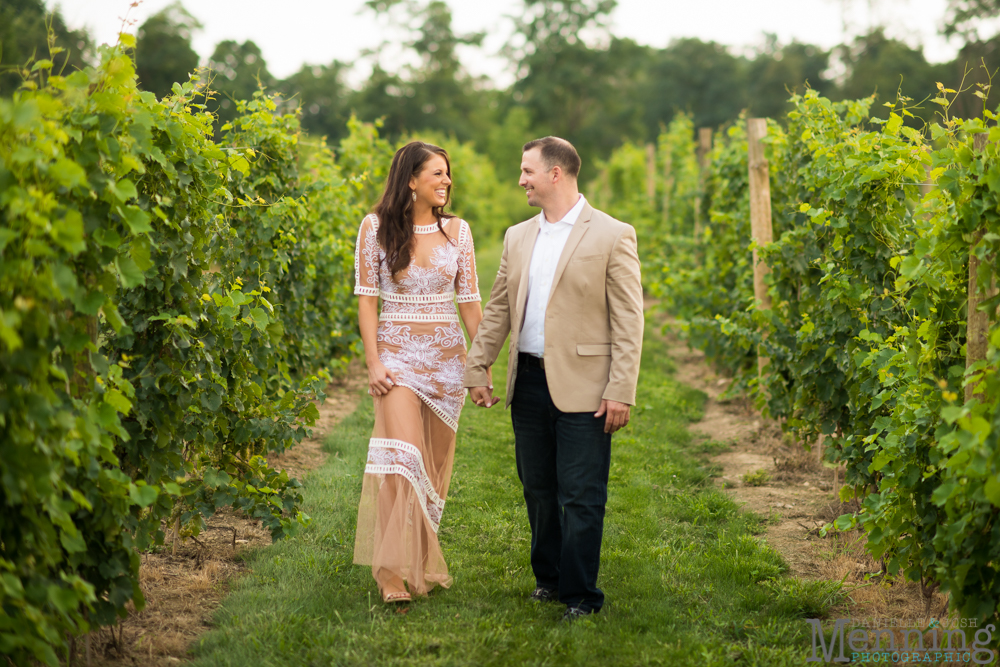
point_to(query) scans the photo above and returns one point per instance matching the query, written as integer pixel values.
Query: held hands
(380, 379)
(483, 397)
(617, 415)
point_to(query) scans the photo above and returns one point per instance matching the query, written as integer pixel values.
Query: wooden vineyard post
(704, 145)
(668, 186)
(978, 327)
(760, 214)
(704, 148)
(651, 173)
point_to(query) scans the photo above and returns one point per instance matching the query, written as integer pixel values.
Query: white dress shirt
(549, 244)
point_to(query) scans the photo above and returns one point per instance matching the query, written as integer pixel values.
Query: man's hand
(617, 415)
(483, 397)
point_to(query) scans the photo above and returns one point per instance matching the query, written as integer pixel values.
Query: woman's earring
(414, 193)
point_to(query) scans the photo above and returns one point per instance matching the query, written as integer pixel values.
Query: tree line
(595, 95)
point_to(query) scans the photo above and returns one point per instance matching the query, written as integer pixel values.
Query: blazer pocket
(594, 350)
(587, 258)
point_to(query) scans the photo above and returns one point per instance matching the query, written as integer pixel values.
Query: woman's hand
(483, 396)
(380, 379)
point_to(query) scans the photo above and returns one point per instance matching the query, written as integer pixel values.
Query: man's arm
(493, 329)
(624, 290)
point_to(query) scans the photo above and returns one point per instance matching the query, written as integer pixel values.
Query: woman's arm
(380, 378)
(472, 317)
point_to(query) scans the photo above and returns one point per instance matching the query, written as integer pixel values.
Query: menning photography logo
(876, 642)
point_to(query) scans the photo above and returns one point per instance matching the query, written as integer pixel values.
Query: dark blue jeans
(563, 460)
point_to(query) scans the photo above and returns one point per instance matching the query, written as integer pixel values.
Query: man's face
(536, 179)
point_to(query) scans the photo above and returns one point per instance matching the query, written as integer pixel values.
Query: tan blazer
(594, 318)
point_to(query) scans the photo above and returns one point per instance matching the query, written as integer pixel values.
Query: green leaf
(64, 599)
(911, 134)
(89, 303)
(109, 238)
(240, 164)
(941, 494)
(992, 490)
(8, 333)
(976, 425)
(6, 236)
(893, 124)
(309, 413)
(275, 331)
(213, 478)
(72, 541)
(123, 190)
(952, 413)
(993, 178)
(880, 398)
(131, 275)
(68, 232)
(910, 266)
(68, 173)
(844, 522)
(136, 219)
(11, 586)
(880, 460)
(140, 252)
(113, 317)
(239, 298)
(107, 416)
(211, 401)
(260, 318)
(142, 494)
(118, 401)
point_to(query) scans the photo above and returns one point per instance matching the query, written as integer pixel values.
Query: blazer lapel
(527, 247)
(579, 229)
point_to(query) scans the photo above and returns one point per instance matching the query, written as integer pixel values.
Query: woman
(420, 261)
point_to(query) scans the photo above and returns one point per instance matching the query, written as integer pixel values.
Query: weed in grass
(714, 447)
(757, 478)
(799, 598)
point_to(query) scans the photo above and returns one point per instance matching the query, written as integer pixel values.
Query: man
(569, 294)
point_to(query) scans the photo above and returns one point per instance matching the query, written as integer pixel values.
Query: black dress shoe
(575, 613)
(545, 595)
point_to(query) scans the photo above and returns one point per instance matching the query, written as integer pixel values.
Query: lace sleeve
(466, 282)
(366, 259)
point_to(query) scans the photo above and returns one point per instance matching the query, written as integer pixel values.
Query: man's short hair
(556, 151)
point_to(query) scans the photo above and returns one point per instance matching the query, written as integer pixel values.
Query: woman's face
(432, 183)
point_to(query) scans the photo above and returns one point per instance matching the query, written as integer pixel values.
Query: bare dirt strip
(183, 589)
(800, 496)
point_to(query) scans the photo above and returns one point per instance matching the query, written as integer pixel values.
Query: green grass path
(687, 578)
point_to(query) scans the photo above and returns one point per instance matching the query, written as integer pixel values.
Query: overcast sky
(293, 32)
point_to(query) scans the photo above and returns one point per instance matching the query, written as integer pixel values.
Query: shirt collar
(571, 216)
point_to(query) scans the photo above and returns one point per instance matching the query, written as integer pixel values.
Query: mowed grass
(687, 578)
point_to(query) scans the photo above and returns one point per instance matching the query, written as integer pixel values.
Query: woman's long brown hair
(395, 208)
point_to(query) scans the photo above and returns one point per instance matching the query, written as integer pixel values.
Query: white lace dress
(412, 449)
